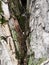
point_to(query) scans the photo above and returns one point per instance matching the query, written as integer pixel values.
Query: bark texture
(34, 32)
(39, 23)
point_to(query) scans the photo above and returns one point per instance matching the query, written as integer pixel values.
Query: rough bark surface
(39, 23)
(38, 50)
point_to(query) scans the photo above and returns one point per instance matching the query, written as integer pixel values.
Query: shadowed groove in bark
(21, 37)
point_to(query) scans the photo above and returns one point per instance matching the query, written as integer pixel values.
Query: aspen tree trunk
(39, 38)
(22, 53)
(6, 33)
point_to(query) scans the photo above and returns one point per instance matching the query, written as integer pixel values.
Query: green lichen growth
(34, 61)
(41, 60)
(14, 34)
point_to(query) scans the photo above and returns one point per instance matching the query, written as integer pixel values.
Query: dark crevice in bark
(24, 2)
(43, 28)
(22, 42)
(16, 52)
(20, 27)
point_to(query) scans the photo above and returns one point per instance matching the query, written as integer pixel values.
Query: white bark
(5, 57)
(39, 18)
(45, 62)
(6, 32)
(5, 54)
(5, 10)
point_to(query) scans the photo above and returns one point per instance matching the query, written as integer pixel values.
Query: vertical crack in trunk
(21, 40)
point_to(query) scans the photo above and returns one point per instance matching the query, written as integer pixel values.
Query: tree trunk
(36, 30)
(14, 8)
(39, 38)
